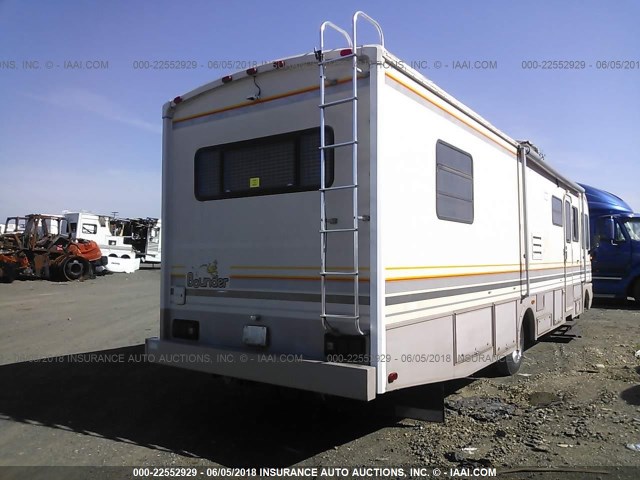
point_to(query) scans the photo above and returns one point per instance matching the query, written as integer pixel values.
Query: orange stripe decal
(295, 267)
(446, 110)
(292, 277)
(258, 102)
(467, 274)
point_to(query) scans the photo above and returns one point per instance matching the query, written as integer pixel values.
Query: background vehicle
(126, 242)
(36, 252)
(615, 242)
(14, 224)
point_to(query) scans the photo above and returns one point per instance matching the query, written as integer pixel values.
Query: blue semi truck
(615, 245)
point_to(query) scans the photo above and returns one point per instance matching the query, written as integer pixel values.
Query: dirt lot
(575, 403)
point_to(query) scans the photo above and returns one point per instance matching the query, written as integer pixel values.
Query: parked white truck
(361, 235)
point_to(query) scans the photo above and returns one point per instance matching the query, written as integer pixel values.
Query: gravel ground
(575, 403)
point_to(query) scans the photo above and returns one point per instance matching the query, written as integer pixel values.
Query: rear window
(282, 163)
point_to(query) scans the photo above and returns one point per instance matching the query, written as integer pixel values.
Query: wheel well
(529, 327)
(586, 301)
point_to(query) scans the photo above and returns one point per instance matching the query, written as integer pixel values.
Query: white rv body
(121, 256)
(151, 252)
(439, 299)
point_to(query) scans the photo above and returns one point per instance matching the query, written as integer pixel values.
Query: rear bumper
(343, 380)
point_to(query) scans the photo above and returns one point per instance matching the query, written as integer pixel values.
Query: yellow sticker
(254, 182)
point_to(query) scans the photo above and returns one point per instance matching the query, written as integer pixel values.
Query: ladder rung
(342, 274)
(343, 317)
(338, 102)
(336, 230)
(339, 187)
(337, 59)
(336, 145)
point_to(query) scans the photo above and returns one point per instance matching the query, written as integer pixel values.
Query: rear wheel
(510, 364)
(75, 268)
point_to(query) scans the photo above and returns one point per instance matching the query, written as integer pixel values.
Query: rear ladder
(349, 323)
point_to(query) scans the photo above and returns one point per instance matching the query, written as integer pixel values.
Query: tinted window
(556, 211)
(263, 166)
(576, 224)
(454, 184)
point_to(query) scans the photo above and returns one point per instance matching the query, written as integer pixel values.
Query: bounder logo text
(209, 280)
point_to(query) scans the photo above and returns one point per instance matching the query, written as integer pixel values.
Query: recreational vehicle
(144, 236)
(121, 256)
(615, 242)
(126, 242)
(357, 234)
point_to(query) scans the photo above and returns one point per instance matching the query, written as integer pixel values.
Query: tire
(510, 364)
(8, 273)
(75, 268)
(636, 292)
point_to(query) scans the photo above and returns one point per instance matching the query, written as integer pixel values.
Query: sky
(90, 138)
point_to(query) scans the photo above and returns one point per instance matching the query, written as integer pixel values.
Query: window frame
(270, 139)
(455, 172)
(553, 211)
(86, 231)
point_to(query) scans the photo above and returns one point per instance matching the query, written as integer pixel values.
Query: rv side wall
(453, 241)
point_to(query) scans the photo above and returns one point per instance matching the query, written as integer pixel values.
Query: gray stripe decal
(280, 296)
(417, 297)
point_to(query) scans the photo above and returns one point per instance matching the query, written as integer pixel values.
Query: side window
(454, 184)
(567, 221)
(619, 236)
(89, 228)
(556, 211)
(576, 224)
